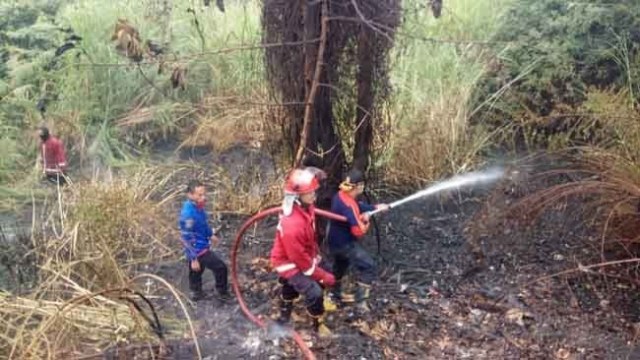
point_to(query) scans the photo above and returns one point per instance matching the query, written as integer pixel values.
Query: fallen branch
(582, 268)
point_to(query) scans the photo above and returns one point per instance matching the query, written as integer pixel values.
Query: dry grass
(49, 329)
(619, 118)
(146, 124)
(232, 126)
(243, 190)
(228, 121)
(607, 174)
(107, 229)
(92, 241)
(608, 188)
(437, 143)
(249, 195)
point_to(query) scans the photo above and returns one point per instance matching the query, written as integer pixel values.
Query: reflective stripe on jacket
(295, 248)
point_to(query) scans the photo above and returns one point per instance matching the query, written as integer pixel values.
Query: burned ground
(457, 279)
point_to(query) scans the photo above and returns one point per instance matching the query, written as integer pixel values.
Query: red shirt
(295, 248)
(53, 156)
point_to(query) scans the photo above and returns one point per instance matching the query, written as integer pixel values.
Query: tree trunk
(323, 147)
(364, 80)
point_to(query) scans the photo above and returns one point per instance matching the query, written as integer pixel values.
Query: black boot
(197, 295)
(363, 292)
(339, 297)
(362, 295)
(336, 294)
(286, 308)
(224, 295)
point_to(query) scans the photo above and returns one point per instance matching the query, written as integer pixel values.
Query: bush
(88, 250)
(556, 51)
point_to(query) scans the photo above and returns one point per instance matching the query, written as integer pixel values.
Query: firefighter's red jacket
(53, 156)
(295, 248)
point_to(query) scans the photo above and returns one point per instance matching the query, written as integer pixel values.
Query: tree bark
(364, 80)
(319, 144)
(315, 23)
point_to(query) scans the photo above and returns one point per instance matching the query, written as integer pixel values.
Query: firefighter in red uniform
(53, 158)
(295, 254)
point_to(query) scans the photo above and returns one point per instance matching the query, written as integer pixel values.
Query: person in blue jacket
(197, 236)
(344, 245)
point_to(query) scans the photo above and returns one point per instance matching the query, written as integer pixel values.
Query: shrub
(556, 51)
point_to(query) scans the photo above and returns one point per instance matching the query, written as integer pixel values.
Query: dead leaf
(562, 354)
(127, 40)
(178, 77)
(444, 343)
(363, 327)
(382, 329)
(517, 316)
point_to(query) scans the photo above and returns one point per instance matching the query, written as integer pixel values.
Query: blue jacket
(342, 234)
(194, 230)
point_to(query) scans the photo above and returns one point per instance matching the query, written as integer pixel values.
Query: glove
(365, 222)
(364, 217)
(324, 277)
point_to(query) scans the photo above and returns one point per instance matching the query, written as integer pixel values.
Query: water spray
(472, 178)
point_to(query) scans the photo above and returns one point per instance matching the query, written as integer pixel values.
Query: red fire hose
(234, 271)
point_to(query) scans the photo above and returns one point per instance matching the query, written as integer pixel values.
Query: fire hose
(234, 272)
(453, 183)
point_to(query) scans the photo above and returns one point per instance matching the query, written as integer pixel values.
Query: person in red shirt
(52, 156)
(295, 255)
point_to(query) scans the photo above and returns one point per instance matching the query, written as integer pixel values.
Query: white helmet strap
(287, 203)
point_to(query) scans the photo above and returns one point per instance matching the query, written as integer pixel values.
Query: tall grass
(107, 108)
(87, 252)
(433, 80)
(103, 93)
(437, 64)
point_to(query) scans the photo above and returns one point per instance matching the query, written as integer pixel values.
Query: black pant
(210, 261)
(354, 254)
(57, 179)
(302, 284)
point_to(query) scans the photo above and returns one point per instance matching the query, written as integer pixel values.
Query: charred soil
(457, 280)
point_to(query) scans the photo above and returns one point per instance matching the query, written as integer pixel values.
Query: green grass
(100, 87)
(113, 90)
(433, 80)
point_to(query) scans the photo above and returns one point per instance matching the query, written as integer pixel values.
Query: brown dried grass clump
(47, 329)
(251, 194)
(88, 251)
(128, 40)
(244, 190)
(229, 121)
(111, 228)
(438, 143)
(605, 177)
(149, 124)
(608, 187)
